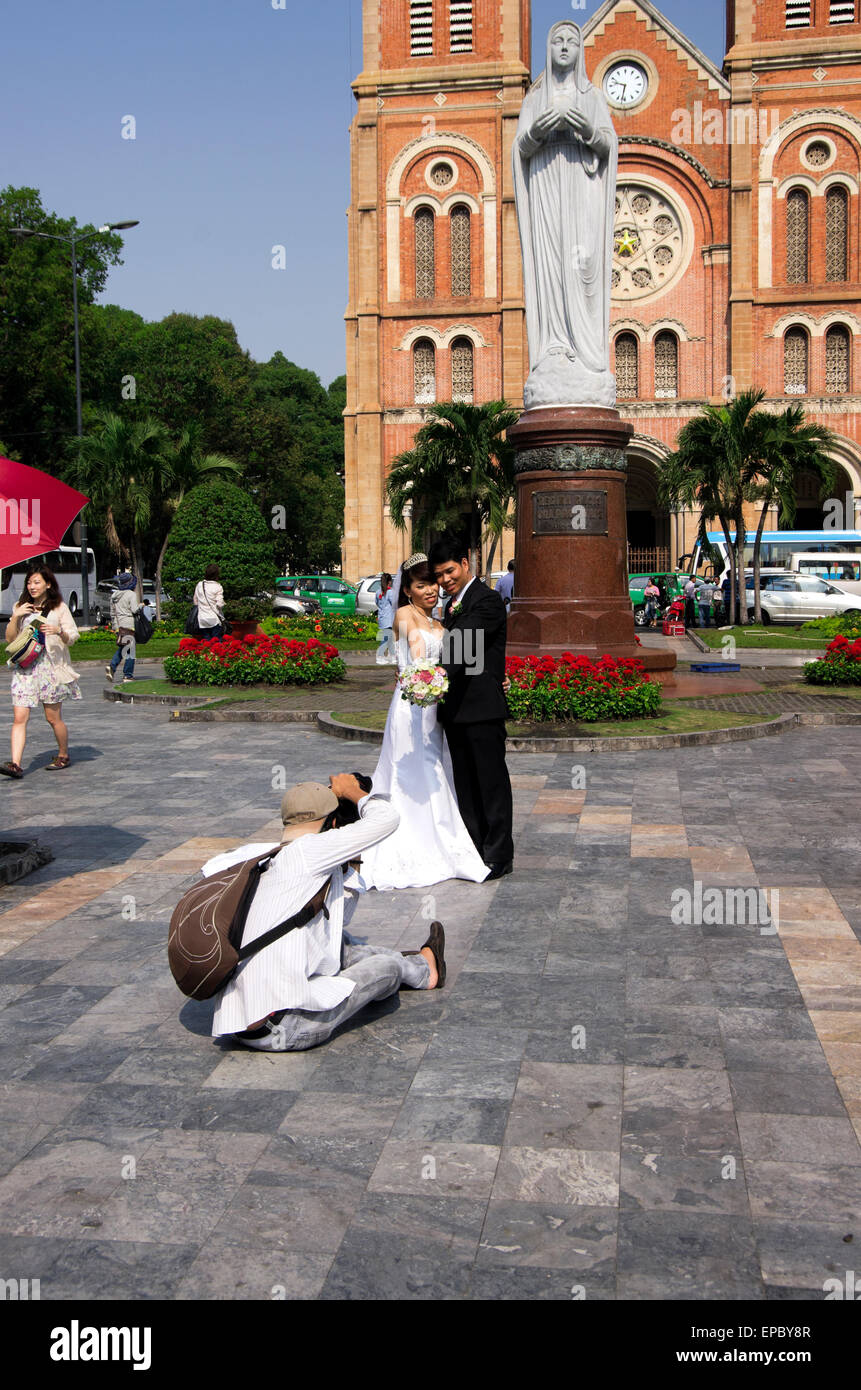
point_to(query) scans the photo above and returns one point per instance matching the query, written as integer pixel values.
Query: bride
(414, 770)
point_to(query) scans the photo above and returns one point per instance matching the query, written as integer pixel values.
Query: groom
(473, 712)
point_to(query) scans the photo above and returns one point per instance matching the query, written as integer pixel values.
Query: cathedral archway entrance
(810, 512)
(648, 522)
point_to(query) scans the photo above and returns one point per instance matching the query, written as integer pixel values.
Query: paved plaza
(603, 1102)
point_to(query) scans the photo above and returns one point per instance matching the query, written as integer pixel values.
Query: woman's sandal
(61, 760)
(11, 770)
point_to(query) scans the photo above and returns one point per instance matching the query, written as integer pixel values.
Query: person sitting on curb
(297, 991)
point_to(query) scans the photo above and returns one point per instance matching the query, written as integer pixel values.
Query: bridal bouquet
(423, 683)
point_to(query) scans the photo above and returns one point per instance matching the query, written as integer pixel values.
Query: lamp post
(74, 241)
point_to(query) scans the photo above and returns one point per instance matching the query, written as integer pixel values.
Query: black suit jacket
(477, 644)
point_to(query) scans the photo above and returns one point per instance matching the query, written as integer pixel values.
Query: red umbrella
(36, 511)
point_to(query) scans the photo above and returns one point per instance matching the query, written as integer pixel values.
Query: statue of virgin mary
(565, 156)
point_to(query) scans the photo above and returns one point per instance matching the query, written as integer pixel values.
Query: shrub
(218, 523)
(841, 664)
(253, 660)
(321, 625)
(846, 624)
(576, 688)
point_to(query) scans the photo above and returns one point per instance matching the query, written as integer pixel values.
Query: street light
(73, 241)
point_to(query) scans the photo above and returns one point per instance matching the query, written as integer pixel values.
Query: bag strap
(301, 918)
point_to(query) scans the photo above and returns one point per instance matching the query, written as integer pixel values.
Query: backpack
(143, 628)
(204, 946)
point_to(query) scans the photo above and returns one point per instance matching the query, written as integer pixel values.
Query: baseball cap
(307, 801)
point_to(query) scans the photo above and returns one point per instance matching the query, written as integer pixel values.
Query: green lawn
(785, 636)
(673, 719)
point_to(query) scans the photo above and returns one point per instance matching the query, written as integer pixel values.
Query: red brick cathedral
(736, 255)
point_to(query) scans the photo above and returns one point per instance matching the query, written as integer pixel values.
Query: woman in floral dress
(50, 680)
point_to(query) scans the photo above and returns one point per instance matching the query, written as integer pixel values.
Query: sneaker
(109, 673)
(128, 680)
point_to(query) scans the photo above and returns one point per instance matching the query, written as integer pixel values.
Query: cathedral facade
(736, 251)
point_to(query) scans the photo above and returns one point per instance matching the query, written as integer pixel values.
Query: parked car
(285, 601)
(366, 593)
(333, 594)
(101, 612)
(670, 583)
(797, 598)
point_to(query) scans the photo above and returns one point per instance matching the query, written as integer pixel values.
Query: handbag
(25, 649)
(192, 627)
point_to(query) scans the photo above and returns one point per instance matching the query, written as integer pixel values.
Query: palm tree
(115, 466)
(459, 460)
(789, 447)
(707, 471)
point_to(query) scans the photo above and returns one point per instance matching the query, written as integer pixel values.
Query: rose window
(442, 175)
(648, 243)
(817, 154)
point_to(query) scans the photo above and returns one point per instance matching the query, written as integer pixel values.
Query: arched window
(666, 365)
(460, 252)
(424, 372)
(795, 362)
(797, 218)
(836, 232)
(837, 359)
(627, 387)
(462, 371)
(425, 278)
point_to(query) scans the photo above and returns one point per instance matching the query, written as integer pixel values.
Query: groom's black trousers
(482, 786)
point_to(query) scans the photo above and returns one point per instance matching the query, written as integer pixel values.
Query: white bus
(66, 565)
(776, 549)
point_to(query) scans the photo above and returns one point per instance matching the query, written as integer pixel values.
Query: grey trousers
(377, 971)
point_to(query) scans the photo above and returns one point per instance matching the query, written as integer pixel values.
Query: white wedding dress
(431, 843)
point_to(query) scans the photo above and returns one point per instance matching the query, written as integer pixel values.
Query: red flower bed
(254, 660)
(573, 687)
(841, 664)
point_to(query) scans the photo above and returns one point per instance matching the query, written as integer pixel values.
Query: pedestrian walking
(124, 605)
(690, 592)
(385, 619)
(209, 599)
(652, 595)
(505, 586)
(704, 599)
(49, 680)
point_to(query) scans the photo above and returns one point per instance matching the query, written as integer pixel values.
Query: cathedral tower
(435, 308)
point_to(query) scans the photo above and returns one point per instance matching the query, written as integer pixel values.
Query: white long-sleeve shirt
(302, 970)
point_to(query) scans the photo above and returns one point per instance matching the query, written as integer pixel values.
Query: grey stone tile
(653, 1046)
(576, 1177)
(804, 1192)
(46, 1010)
(532, 1284)
(455, 1119)
(669, 1255)
(449, 1169)
(375, 1266)
(552, 1236)
(335, 1113)
(253, 1111)
(664, 1181)
(225, 1270)
(291, 1218)
(560, 1106)
(585, 1042)
(821, 1141)
(804, 1255)
(94, 1062)
(455, 1223)
(85, 1270)
(786, 1093)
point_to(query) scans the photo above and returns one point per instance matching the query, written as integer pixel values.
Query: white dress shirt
(458, 597)
(302, 970)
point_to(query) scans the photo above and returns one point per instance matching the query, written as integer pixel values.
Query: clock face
(625, 84)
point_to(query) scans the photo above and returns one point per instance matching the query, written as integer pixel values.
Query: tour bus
(776, 549)
(839, 567)
(66, 565)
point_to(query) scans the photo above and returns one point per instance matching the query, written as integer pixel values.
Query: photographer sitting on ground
(297, 991)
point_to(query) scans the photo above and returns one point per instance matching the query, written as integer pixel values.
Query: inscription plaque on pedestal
(574, 513)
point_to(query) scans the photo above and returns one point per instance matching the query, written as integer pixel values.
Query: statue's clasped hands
(551, 120)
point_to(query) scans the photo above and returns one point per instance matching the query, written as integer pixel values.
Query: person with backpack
(209, 601)
(124, 605)
(297, 990)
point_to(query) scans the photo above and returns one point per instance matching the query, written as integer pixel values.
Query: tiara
(418, 559)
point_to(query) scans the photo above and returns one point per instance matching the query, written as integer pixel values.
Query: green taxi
(334, 595)
(670, 584)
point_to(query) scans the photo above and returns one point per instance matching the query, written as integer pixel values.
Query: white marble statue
(565, 156)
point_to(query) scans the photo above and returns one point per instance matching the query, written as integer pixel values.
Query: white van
(66, 565)
(842, 568)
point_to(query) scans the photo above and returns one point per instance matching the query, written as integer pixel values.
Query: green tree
(789, 447)
(37, 362)
(711, 470)
(217, 523)
(184, 465)
(460, 465)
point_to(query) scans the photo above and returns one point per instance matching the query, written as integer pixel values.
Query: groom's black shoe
(500, 870)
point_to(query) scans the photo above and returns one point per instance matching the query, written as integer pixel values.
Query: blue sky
(241, 144)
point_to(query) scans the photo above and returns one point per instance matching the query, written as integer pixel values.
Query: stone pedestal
(571, 582)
